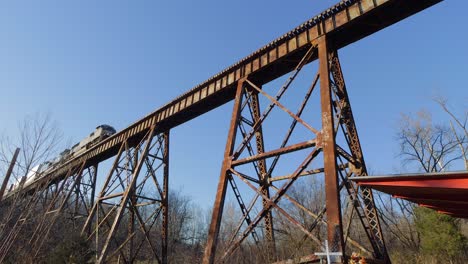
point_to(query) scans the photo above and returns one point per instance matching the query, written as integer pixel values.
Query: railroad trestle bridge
(140, 155)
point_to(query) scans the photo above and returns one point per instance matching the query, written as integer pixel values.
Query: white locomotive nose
(101, 132)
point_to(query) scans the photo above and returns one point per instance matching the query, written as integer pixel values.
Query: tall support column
(218, 206)
(165, 199)
(133, 201)
(263, 177)
(93, 187)
(77, 203)
(334, 221)
(369, 216)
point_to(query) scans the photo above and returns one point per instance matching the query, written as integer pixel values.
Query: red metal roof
(445, 192)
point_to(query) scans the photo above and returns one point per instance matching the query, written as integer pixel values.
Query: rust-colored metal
(165, 200)
(245, 141)
(275, 153)
(328, 144)
(263, 177)
(93, 193)
(369, 218)
(132, 201)
(282, 107)
(210, 248)
(8, 173)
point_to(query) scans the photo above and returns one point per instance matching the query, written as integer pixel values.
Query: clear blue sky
(94, 62)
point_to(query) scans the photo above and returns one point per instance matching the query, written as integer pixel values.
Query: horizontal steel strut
(344, 23)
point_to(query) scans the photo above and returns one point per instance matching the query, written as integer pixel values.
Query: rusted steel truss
(335, 145)
(133, 203)
(127, 219)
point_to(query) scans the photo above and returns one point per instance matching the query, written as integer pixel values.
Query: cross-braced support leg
(330, 151)
(135, 192)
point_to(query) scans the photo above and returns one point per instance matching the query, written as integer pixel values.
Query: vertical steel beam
(93, 192)
(133, 200)
(376, 236)
(131, 224)
(165, 199)
(213, 232)
(263, 177)
(8, 173)
(77, 198)
(334, 221)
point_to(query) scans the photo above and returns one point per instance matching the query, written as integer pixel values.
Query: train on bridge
(100, 133)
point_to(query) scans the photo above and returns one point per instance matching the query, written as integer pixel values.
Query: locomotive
(100, 133)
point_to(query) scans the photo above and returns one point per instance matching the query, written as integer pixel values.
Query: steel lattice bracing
(340, 159)
(123, 198)
(129, 214)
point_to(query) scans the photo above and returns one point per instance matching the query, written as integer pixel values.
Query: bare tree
(38, 139)
(185, 229)
(431, 147)
(458, 126)
(397, 216)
